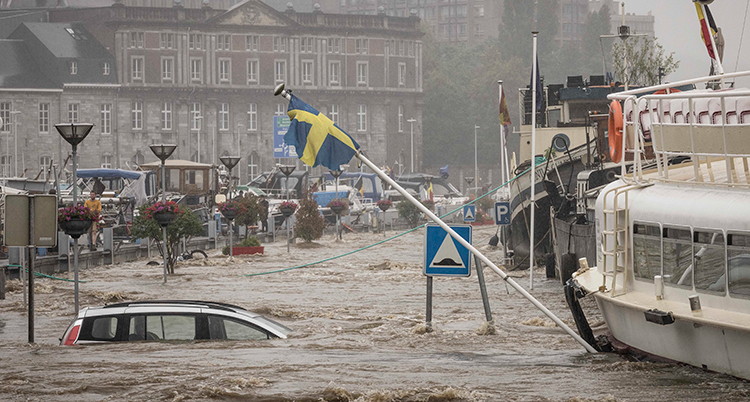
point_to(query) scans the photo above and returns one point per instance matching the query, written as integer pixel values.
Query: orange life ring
(666, 91)
(615, 131)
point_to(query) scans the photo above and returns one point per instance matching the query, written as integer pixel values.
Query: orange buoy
(615, 131)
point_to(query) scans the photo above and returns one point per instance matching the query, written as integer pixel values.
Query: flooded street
(358, 334)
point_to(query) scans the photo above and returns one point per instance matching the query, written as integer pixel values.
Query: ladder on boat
(615, 237)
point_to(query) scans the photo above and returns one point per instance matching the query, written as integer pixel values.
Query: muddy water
(358, 335)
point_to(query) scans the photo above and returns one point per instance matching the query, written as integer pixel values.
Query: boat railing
(706, 127)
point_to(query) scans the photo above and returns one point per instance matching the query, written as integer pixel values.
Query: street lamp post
(230, 162)
(74, 133)
(197, 117)
(164, 151)
(15, 142)
(411, 123)
(287, 170)
(336, 174)
(476, 170)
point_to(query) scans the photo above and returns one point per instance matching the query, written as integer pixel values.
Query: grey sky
(678, 31)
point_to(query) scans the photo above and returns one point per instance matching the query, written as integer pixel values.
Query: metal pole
(476, 166)
(428, 312)
(474, 251)
(411, 124)
(32, 255)
(483, 289)
(164, 229)
(75, 240)
(229, 223)
(532, 204)
(15, 141)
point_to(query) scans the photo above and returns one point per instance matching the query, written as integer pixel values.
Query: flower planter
(337, 209)
(75, 227)
(286, 211)
(229, 214)
(164, 218)
(247, 250)
(384, 207)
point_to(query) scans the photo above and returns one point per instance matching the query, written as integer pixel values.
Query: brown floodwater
(359, 335)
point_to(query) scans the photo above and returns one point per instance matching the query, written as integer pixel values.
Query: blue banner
(280, 127)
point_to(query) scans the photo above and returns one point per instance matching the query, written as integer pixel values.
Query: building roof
(68, 40)
(18, 69)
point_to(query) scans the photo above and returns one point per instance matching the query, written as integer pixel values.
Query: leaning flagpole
(461, 240)
(532, 205)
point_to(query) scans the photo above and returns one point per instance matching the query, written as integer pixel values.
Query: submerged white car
(169, 320)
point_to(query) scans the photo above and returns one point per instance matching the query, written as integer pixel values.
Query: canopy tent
(109, 174)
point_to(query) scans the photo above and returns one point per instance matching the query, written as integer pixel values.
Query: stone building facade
(204, 79)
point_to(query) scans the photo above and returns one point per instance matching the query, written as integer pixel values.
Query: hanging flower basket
(384, 205)
(229, 214)
(76, 227)
(231, 209)
(164, 218)
(287, 208)
(338, 206)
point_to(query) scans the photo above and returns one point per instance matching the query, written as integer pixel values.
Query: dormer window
(105, 69)
(73, 68)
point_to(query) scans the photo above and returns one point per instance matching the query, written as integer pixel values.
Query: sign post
(280, 149)
(502, 218)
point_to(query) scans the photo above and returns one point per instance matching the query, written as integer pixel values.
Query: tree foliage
(644, 55)
(250, 210)
(185, 225)
(409, 212)
(310, 223)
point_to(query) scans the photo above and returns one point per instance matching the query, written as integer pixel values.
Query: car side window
(104, 328)
(162, 327)
(229, 329)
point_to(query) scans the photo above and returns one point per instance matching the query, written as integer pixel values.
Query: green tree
(250, 210)
(644, 55)
(409, 212)
(185, 225)
(310, 223)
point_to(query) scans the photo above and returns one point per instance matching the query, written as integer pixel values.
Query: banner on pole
(280, 149)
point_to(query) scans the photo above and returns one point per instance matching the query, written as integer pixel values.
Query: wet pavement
(359, 335)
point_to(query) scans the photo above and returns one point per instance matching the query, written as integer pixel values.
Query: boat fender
(567, 266)
(659, 317)
(615, 131)
(584, 329)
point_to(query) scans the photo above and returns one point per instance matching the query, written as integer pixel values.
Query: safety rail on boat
(707, 126)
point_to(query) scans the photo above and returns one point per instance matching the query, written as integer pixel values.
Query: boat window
(647, 251)
(738, 261)
(194, 179)
(678, 256)
(709, 261)
(173, 179)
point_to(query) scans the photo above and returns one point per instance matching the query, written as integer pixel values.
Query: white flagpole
(532, 205)
(463, 242)
(503, 173)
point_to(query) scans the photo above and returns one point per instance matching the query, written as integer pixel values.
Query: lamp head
(287, 169)
(163, 151)
(230, 161)
(74, 133)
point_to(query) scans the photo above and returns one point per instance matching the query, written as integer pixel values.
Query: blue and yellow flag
(317, 140)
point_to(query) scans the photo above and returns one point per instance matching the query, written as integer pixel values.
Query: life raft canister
(615, 131)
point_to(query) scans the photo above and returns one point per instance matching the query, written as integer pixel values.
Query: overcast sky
(678, 31)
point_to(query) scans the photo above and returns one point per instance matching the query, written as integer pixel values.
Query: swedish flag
(316, 138)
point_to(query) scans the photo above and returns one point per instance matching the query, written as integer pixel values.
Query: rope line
(538, 162)
(44, 275)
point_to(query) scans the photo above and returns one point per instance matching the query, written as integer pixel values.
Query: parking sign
(502, 213)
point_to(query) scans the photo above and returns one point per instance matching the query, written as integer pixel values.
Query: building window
(225, 70)
(73, 67)
(44, 166)
(105, 118)
(334, 114)
(137, 115)
(166, 41)
(334, 73)
(167, 69)
(196, 70)
(253, 165)
(166, 116)
(738, 247)
(410, 48)
(479, 10)
(44, 117)
(73, 112)
(195, 116)
(224, 42)
(251, 43)
(136, 40)
(401, 74)
(136, 68)
(195, 41)
(307, 45)
(224, 116)
(106, 161)
(362, 118)
(5, 116)
(710, 261)
(5, 162)
(307, 71)
(252, 71)
(361, 46)
(361, 73)
(252, 117)
(400, 118)
(280, 71)
(279, 110)
(280, 44)
(334, 45)
(105, 69)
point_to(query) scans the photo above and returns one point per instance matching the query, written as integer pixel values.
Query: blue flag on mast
(317, 140)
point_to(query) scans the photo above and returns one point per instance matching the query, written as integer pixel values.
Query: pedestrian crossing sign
(470, 213)
(444, 255)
